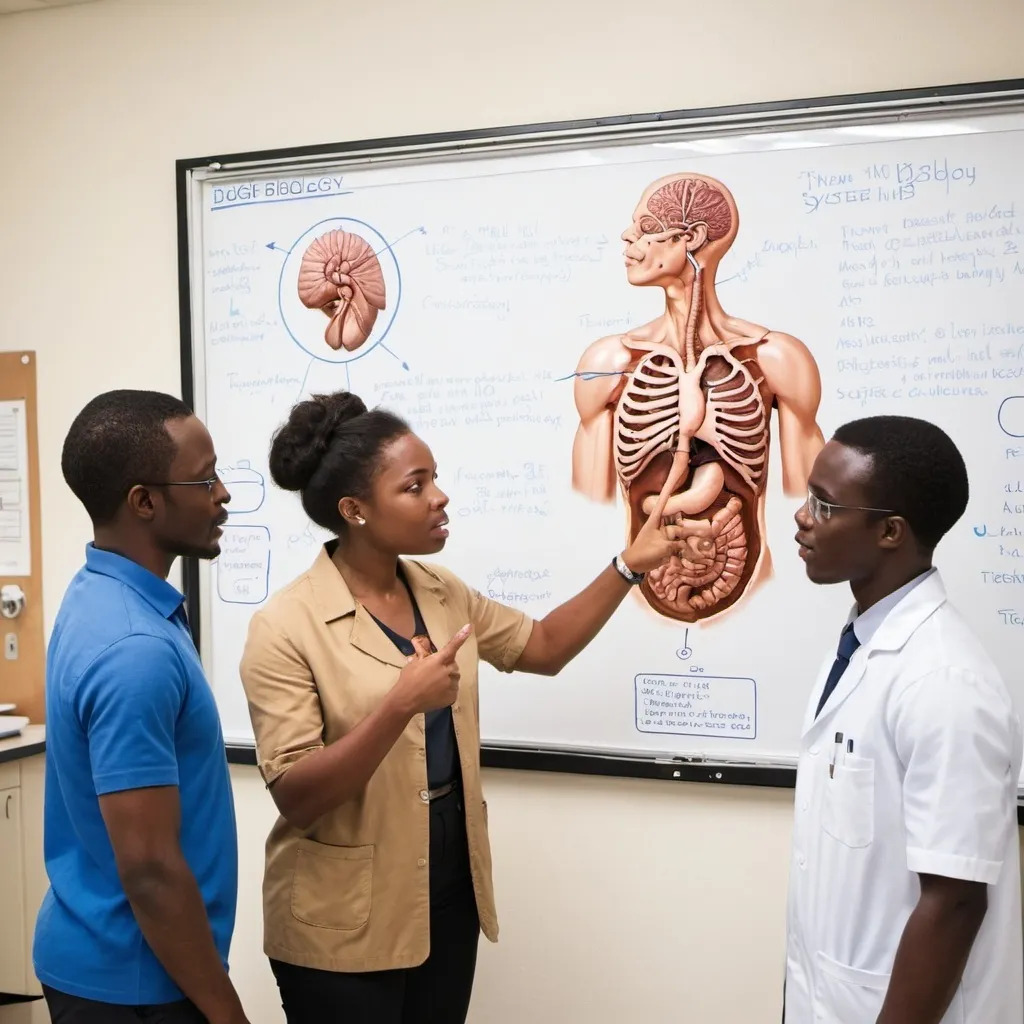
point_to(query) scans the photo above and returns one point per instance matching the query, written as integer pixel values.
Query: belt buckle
(440, 791)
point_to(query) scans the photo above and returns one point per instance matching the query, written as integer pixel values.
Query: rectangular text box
(696, 705)
(243, 566)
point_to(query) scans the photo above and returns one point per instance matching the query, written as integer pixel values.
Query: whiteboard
(890, 245)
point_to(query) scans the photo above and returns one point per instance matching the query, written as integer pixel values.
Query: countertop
(32, 741)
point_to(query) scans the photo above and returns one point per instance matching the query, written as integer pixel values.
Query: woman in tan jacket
(361, 678)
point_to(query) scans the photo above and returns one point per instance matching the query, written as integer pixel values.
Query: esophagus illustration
(678, 411)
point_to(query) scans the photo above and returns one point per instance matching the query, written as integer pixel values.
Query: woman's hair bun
(301, 443)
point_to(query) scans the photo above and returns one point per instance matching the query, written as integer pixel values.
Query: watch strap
(625, 572)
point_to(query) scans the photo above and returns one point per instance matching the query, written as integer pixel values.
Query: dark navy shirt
(127, 706)
(442, 756)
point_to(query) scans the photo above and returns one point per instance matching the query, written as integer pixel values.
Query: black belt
(443, 790)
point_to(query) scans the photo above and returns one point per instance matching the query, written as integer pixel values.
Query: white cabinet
(22, 874)
(12, 894)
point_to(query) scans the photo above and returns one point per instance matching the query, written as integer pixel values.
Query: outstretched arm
(792, 375)
(597, 385)
(568, 629)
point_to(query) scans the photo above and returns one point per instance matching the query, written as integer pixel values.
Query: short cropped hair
(916, 470)
(118, 440)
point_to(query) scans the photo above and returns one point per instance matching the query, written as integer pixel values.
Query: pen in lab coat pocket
(835, 754)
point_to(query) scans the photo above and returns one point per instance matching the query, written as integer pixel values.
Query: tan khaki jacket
(352, 892)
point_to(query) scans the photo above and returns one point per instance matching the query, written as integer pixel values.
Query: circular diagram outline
(999, 415)
(366, 350)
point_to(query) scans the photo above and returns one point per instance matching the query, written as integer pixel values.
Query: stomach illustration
(341, 276)
(340, 289)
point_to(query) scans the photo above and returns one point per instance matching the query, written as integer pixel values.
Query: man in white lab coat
(905, 892)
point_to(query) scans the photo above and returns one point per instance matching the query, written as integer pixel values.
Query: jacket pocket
(848, 995)
(332, 886)
(848, 810)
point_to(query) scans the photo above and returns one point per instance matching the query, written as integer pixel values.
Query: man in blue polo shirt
(140, 841)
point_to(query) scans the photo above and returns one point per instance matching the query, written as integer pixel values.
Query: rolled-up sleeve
(284, 706)
(958, 739)
(501, 632)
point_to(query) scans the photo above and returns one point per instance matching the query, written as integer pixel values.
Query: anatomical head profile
(341, 276)
(675, 414)
(676, 217)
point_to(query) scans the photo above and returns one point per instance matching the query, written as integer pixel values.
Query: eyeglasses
(820, 510)
(208, 484)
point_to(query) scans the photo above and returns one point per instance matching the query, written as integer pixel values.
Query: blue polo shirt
(127, 706)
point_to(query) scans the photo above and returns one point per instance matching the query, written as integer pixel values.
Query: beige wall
(620, 916)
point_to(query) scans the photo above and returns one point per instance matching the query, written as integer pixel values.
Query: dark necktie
(848, 643)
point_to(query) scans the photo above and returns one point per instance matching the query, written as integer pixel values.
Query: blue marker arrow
(593, 374)
(405, 365)
(391, 245)
(274, 245)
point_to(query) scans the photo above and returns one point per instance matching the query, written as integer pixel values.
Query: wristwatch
(625, 572)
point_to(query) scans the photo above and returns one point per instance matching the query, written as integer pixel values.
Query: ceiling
(11, 6)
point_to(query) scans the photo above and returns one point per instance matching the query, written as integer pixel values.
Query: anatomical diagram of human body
(341, 276)
(677, 412)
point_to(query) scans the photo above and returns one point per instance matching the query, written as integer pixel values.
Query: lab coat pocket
(332, 885)
(848, 810)
(849, 995)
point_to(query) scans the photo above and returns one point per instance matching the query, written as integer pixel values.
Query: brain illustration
(687, 201)
(341, 275)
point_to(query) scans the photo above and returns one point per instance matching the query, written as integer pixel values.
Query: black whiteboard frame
(891, 104)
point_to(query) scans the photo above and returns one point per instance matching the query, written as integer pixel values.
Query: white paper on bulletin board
(15, 542)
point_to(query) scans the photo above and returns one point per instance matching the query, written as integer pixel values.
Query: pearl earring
(360, 520)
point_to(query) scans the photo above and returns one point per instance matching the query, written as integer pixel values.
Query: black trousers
(436, 992)
(65, 1009)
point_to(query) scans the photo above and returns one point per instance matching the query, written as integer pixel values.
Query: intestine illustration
(677, 411)
(341, 275)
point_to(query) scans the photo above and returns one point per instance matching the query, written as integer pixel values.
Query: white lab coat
(931, 787)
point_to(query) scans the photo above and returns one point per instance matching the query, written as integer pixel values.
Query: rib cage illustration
(663, 407)
(648, 417)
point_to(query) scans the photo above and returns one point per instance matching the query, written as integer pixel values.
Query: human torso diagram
(676, 414)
